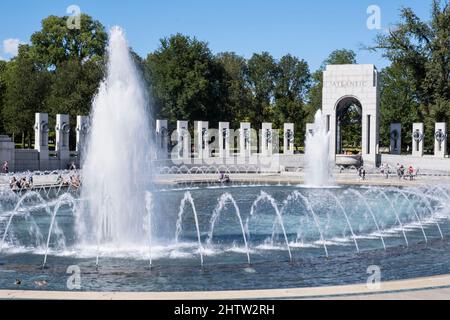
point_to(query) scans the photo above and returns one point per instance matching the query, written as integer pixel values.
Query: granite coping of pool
(435, 287)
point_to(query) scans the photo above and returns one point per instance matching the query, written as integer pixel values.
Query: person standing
(411, 173)
(362, 173)
(72, 166)
(399, 171)
(5, 167)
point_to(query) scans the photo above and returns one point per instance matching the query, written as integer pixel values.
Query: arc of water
(415, 213)
(100, 225)
(59, 189)
(34, 228)
(149, 208)
(219, 208)
(396, 214)
(188, 198)
(346, 218)
(67, 197)
(48, 192)
(315, 218)
(16, 208)
(443, 192)
(265, 197)
(359, 195)
(430, 209)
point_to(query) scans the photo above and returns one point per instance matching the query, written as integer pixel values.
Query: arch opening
(349, 126)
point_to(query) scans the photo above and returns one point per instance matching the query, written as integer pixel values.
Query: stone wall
(428, 163)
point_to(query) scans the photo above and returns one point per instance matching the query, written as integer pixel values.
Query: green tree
(291, 88)
(73, 87)
(261, 78)
(238, 98)
(398, 104)
(186, 80)
(75, 60)
(342, 56)
(2, 93)
(26, 87)
(422, 50)
(55, 43)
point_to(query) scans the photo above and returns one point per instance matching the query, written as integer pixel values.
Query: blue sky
(307, 29)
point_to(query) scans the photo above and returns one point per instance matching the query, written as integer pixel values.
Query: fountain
(218, 210)
(116, 171)
(317, 146)
(134, 226)
(179, 226)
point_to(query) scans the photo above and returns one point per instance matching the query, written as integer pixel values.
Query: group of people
(224, 178)
(73, 181)
(21, 183)
(404, 173)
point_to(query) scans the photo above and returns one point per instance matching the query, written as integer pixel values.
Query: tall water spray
(318, 168)
(117, 167)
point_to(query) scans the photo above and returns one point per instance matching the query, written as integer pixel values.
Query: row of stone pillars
(62, 129)
(418, 137)
(203, 135)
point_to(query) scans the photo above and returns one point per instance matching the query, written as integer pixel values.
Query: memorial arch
(356, 87)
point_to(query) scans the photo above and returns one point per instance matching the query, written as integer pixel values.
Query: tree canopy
(420, 52)
(59, 71)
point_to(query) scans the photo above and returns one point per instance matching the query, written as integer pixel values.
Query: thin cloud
(11, 46)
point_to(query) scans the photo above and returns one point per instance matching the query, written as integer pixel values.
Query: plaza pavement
(289, 178)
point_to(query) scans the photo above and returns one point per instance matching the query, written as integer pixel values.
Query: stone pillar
(245, 139)
(7, 152)
(288, 140)
(266, 140)
(396, 138)
(202, 139)
(62, 138)
(440, 140)
(417, 138)
(41, 130)
(224, 140)
(82, 133)
(183, 141)
(370, 134)
(309, 129)
(162, 139)
(357, 84)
